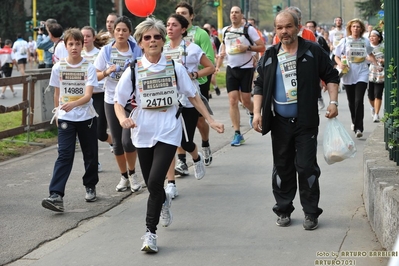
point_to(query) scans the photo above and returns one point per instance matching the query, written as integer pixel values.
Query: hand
(219, 127)
(332, 111)
(257, 123)
(127, 123)
(68, 106)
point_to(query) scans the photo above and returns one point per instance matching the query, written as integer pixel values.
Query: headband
(375, 32)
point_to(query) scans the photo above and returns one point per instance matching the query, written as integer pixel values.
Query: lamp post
(34, 18)
(92, 13)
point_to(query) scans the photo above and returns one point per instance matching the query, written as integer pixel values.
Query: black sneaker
(310, 223)
(54, 203)
(90, 194)
(283, 220)
(217, 90)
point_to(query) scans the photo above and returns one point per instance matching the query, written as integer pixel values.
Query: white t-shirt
(79, 113)
(60, 52)
(32, 46)
(191, 62)
(153, 125)
(101, 64)
(20, 49)
(235, 58)
(358, 72)
(91, 57)
(335, 36)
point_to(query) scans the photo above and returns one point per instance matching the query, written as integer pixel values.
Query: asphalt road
(223, 219)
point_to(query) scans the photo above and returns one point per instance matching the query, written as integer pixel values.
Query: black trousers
(355, 94)
(154, 164)
(294, 154)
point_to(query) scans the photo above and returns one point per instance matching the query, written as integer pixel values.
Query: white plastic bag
(337, 143)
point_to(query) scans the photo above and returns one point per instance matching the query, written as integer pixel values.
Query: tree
(73, 13)
(368, 8)
(9, 26)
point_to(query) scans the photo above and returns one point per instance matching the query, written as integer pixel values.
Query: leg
(87, 134)
(66, 153)
(154, 163)
(360, 90)
(284, 173)
(308, 170)
(350, 94)
(233, 109)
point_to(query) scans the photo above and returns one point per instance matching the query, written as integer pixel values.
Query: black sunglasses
(156, 37)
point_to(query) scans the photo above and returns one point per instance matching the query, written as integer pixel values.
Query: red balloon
(141, 8)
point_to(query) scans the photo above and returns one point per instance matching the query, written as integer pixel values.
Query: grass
(17, 145)
(220, 80)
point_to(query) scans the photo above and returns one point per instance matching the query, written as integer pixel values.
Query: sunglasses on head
(156, 37)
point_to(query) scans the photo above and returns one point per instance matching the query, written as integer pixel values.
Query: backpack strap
(245, 33)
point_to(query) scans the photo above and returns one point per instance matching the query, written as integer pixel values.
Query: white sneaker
(207, 155)
(320, 103)
(372, 111)
(171, 190)
(100, 169)
(2, 96)
(123, 184)
(166, 215)
(358, 134)
(376, 118)
(199, 168)
(134, 183)
(150, 243)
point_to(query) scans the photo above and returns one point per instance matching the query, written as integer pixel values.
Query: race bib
(157, 89)
(72, 82)
(287, 64)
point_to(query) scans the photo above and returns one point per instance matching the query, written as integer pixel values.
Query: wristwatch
(249, 48)
(334, 102)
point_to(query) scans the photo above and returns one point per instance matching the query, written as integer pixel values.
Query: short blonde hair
(148, 24)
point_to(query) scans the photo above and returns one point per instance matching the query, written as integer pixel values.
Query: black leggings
(355, 94)
(98, 103)
(121, 140)
(190, 116)
(154, 164)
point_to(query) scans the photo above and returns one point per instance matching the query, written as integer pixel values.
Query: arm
(124, 121)
(257, 120)
(221, 56)
(332, 109)
(199, 105)
(44, 42)
(208, 67)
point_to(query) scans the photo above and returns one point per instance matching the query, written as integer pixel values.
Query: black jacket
(313, 64)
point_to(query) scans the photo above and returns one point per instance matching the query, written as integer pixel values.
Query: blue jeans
(86, 131)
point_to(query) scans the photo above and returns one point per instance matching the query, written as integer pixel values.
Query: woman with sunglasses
(110, 63)
(92, 45)
(156, 123)
(190, 55)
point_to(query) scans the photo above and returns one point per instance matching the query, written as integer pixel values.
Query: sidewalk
(223, 219)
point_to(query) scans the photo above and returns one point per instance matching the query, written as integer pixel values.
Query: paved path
(223, 219)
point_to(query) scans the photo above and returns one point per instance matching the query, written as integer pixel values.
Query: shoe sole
(312, 228)
(52, 207)
(91, 200)
(283, 225)
(121, 189)
(177, 172)
(148, 249)
(136, 190)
